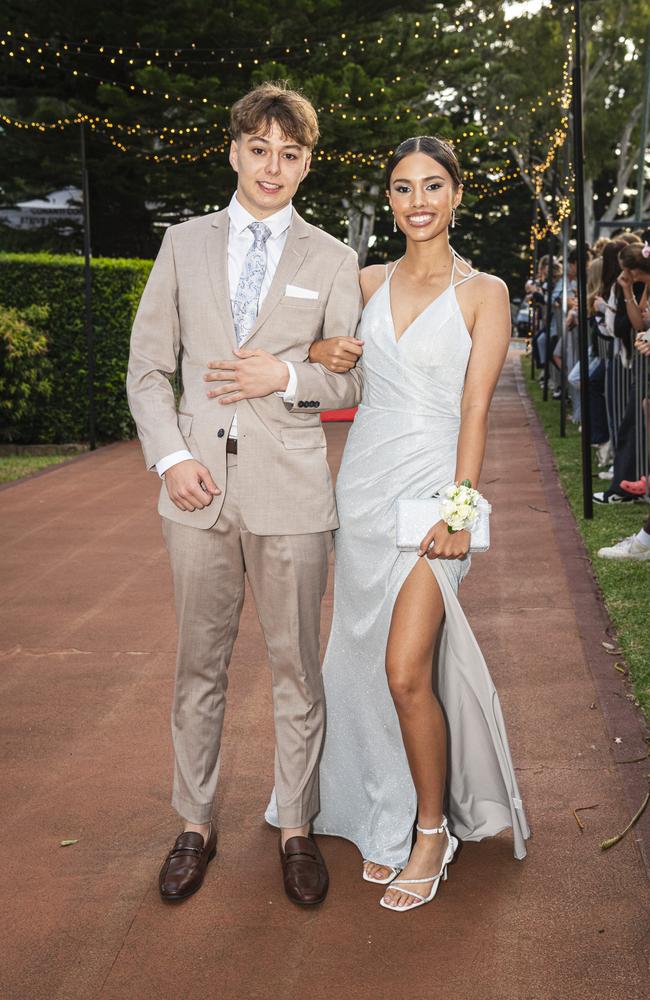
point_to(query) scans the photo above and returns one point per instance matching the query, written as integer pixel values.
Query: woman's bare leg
(416, 621)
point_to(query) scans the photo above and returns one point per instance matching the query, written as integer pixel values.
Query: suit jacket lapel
(295, 251)
(217, 254)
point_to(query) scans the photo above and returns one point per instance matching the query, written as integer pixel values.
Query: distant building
(57, 207)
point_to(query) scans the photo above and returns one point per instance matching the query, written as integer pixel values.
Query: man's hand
(249, 375)
(190, 486)
(338, 354)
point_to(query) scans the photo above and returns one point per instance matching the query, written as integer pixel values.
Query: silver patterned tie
(250, 282)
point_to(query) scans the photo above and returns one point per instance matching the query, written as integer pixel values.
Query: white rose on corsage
(459, 506)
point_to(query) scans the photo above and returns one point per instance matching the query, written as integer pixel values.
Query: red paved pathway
(87, 656)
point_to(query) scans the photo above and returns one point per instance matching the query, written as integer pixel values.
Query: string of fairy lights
(375, 158)
(34, 51)
(554, 221)
(171, 135)
(199, 55)
(194, 142)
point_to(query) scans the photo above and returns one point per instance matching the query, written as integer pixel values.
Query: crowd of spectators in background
(618, 310)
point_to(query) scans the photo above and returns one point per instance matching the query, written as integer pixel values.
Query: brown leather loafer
(305, 876)
(184, 867)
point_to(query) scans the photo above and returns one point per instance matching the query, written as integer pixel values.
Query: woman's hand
(338, 354)
(625, 280)
(642, 345)
(446, 544)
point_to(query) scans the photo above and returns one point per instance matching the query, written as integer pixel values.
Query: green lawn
(626, 584)
(16, 466)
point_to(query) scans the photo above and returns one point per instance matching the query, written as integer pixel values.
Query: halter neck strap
(389, 274)
(453, 267)
(455, 257)
(465, 277)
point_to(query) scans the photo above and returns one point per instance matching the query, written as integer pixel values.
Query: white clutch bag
(415, 517)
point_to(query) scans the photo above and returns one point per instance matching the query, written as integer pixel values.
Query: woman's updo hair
(437, 149)
(631, 257)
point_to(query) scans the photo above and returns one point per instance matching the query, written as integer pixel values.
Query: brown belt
(231, 446)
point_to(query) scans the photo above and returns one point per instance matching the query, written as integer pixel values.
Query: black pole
(549, 284)
(90, 336)
(566, 233)
(564, 330)
(549, 313)
(532, 308)
(581, 275)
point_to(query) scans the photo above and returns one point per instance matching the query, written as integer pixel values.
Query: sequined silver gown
(403, 443)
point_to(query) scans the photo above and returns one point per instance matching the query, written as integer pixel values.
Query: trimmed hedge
(57, 283)
(25, 369)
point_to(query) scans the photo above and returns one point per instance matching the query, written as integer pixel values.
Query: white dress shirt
(240, 240)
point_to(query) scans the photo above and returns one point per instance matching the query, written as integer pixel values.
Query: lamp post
(550, 283)
(581, 275)
(532, 306)
(565, 332)
(90, 336)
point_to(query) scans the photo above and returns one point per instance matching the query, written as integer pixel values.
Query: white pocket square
(296, 292)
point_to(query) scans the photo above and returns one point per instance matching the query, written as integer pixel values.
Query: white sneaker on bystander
(628, 548)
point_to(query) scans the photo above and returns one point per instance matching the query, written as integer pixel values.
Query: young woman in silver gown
(414, 725)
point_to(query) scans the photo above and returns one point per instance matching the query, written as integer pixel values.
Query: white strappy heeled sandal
(380, 881)
(418, 899)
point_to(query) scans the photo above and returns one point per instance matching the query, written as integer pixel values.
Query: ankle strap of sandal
(435, 829)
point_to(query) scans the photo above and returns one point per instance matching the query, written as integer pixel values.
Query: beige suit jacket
(185, 314)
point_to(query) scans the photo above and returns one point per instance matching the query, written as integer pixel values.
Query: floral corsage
(459, 506)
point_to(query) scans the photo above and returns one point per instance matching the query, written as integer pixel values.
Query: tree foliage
(25, 370)
(378, 72)
(160, 77)
(616, 45)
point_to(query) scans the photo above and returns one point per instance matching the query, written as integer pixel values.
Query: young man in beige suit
(246, 488)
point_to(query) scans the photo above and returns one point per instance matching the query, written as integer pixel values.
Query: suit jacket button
(317, 403)
(301, 403)
(220, 432)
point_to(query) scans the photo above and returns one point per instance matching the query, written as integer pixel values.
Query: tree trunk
(525, 176)
(626, 164)
(361, 218)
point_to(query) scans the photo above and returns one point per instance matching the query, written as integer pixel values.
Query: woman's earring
(453, 218)
(394, 224)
